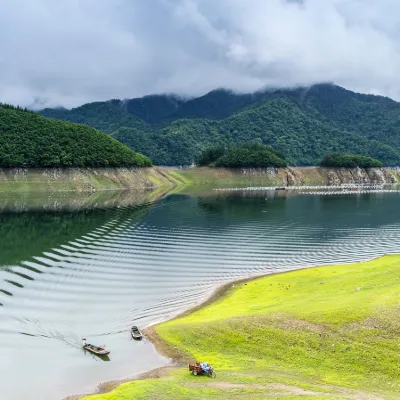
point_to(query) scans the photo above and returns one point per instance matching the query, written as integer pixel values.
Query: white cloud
(68, 52)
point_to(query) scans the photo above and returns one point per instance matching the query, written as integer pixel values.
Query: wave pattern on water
(132, 270)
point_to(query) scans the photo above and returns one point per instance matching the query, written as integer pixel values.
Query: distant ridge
(304, 123)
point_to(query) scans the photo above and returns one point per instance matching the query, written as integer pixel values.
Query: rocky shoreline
(100, 179)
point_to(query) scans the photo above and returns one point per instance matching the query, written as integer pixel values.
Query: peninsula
(320, 333)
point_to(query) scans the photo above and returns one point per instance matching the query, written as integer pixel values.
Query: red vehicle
(202, 369)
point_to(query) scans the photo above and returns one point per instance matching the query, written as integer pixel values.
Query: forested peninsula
(31, 141)
(304, 124)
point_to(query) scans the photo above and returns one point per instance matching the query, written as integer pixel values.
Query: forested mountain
(304, 123)
(30, 140)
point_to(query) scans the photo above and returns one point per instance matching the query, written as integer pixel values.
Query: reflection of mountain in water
(73, 201)
(334, 214)
(98, 272)
(28, 234)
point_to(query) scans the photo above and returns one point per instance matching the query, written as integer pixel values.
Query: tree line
(246, 155)
(349, 161)
(256, 155)
(305, 124)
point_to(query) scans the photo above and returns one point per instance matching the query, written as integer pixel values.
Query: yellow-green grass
(224, 177)
(395, 173)
(83, 179)
(333, 331)
(228, 177)
(180, 385)
(186, 180)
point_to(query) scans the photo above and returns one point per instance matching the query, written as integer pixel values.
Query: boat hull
(136, 334)
(100, 351)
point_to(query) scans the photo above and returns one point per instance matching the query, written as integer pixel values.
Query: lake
(74, 266)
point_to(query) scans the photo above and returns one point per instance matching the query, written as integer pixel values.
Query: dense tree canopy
(246, 155)
(211, 154)
(349, 161)
(304, 123)
(30, 140)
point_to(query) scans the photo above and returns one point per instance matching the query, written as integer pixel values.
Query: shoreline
(178, 358)
(50, 180)
(83, 180)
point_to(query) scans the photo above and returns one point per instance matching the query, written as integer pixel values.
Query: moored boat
(99, 350)
(136, 334)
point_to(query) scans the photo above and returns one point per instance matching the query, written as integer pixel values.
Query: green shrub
(211, 154)
(247, 155)
(349, 161)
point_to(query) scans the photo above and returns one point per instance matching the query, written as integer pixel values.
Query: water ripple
(142, 267)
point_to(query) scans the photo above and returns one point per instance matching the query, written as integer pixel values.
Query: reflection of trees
(330, 216)
(27, 234)
(240, 205)
(215, 207)
(73, 201)
(355, 211)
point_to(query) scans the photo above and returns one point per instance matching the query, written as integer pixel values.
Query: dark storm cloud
(68, 52)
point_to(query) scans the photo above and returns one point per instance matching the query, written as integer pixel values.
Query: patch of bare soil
(176, 355)
(290, 390)
(344, 393)
(385, 320)
(355, 394)
(293, 390)
(285, 322)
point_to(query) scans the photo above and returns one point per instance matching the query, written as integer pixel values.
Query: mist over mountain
(72, 52)
(304, 123)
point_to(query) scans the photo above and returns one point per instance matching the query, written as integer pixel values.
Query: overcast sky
(68, 52)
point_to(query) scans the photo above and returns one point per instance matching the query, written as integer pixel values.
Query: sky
(70, 52)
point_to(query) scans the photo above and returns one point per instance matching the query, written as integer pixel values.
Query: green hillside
(30, 140)
(305, 123)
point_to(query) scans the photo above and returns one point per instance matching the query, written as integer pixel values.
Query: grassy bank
(322, 333)
(83, 179)
(282, 177)
(94, 179)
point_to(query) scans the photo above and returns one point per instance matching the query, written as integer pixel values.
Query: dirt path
(280, 389)
(273, 389)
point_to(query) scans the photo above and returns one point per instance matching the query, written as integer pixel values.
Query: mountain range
(303, 123)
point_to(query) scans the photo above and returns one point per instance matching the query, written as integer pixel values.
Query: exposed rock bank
(83, 179)
(91, 180)
(294, 176)
(334, 177)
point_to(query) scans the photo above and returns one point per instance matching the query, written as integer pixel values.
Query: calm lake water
(90, 270)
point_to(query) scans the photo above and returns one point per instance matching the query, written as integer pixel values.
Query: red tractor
(202, 369)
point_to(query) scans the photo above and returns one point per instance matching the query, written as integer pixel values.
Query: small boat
(101, 351)
(136, 334)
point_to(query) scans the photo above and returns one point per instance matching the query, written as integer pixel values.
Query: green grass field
(223, 177)
(230, 177)
(322, 333)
